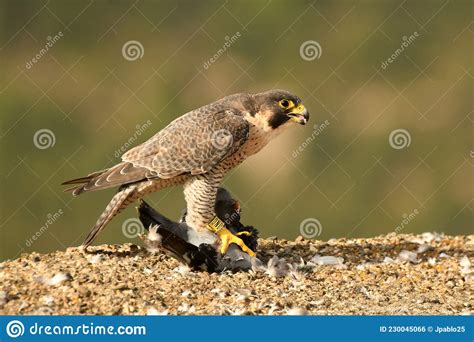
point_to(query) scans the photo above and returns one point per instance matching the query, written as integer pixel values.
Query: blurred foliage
(348, 177)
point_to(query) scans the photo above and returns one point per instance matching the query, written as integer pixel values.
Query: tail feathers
(82, 182)
(84, 179)
(120, 174)
(119, 202)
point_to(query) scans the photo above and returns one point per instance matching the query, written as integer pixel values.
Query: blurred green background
(345, 178)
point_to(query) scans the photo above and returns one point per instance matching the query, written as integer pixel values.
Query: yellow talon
(227, 238)
(217, 226)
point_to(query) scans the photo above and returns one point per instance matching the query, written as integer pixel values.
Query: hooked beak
(299, 114)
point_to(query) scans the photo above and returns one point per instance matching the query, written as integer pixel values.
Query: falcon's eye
(285, 104)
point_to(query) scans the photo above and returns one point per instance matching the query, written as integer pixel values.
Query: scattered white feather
(155, 312)
(277, 267)
(186, 308)
(182, 269)
(244, 292)
(257, 266)
(408, 256)
(366, 292)
(317, 302)
(153, 235)
(298, 278)
(47, 300)
(57, 279)
(95, 259)
(327, 260)
(464, 262)
(297, 312)
(152, 240)
(466, 270)
(235, 312)
(428, 237)
(423, 248)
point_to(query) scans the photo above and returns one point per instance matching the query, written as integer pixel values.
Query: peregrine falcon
(196, 150)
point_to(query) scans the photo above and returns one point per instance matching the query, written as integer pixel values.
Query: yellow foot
(227, 238)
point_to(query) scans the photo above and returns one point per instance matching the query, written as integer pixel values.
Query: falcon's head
(275, 108)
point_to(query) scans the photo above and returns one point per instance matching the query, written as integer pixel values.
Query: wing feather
(193, 143)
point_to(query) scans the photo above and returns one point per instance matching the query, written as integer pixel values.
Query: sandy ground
(391, 274)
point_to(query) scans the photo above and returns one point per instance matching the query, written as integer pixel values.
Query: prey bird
(196, 150)
(179, 241)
